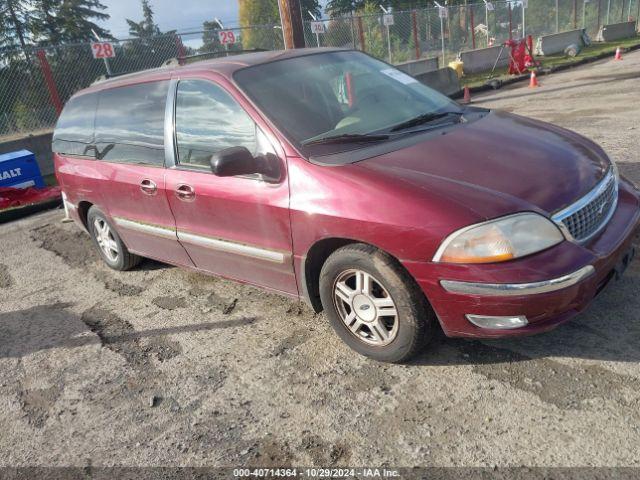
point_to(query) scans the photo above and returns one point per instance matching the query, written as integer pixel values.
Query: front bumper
(548, 288)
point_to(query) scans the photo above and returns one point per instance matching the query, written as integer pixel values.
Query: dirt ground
(160, 366)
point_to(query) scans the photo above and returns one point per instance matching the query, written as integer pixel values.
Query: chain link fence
(443, 32)
(35, 82)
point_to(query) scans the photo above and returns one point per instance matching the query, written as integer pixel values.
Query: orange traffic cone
(618, 54)
(467, 95)
(533, 82)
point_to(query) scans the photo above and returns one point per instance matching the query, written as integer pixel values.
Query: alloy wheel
(365, 307)
(105, 239)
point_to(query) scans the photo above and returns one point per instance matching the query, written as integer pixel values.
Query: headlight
(500, 240)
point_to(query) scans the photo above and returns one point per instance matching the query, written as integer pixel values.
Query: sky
(182, 15)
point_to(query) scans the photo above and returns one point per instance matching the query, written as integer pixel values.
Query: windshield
(336, 96)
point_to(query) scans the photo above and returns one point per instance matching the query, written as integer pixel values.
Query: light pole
(608, 10)
(524, 30)
(442, 11)
(487, 6)
(557, 17)
(584, 13)
(315, 20)
(386, 12)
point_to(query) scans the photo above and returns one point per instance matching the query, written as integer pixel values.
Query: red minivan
(330, 176)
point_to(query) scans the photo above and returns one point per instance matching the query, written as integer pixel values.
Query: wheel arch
(316, 257)
(83, 212)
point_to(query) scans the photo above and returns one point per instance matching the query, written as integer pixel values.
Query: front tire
(112, 250)
(374, 305)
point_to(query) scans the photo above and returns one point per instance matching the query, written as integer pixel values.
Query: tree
(258, 17)
(147, 27)
(14, 23)
(337, 8)
(266, 12)
(78, 20)
(210, 41)
(46, 24)
(66, 21)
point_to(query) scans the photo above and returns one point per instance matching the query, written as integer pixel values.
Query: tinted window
(74, 131)
(130, 123)
(209, 120)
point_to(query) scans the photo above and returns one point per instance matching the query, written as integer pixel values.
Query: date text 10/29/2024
(315, 473)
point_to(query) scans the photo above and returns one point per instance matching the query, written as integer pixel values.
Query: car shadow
(149, 265)
(46, 327)
(608, 330)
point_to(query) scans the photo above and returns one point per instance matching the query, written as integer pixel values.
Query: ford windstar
(330, 176)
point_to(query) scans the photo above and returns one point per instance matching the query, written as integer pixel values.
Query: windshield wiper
(422, 119)
(346, 138)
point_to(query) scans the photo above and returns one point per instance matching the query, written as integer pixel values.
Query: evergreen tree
(147, 27)
(46, 22)
(14, 23)
(77, 20)
(66, 21)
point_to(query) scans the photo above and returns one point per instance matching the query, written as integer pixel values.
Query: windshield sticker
(399, 76)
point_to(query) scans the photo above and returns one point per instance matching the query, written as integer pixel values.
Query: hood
(525, 162)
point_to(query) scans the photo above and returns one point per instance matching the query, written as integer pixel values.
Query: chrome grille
(585, 218)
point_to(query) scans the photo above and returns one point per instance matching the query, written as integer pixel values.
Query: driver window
(208, 120)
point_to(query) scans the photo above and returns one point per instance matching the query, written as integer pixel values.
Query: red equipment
(19, 197)
(521, 57)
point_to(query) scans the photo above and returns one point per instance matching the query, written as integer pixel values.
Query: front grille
(585, 218)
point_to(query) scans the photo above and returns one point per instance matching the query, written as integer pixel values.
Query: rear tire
(374, 305)
(112, 250)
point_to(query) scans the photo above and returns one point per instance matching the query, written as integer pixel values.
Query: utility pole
(292, 28)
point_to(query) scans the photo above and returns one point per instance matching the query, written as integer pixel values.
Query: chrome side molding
(155, 230)
(202, 241)
(513, 289)
(231, 247)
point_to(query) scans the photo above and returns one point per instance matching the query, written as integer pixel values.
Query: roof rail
(204, 56)
(105, 77)
(175, 61)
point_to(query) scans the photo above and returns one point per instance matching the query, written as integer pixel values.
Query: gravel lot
(160, 366)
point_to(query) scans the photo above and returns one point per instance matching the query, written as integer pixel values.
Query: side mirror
(234, 161)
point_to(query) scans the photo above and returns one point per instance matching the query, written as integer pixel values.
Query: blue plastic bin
(20, 170)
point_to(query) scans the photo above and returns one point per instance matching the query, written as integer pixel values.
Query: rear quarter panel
(80, 179)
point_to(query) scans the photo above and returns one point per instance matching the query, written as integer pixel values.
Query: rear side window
(74, 131)
(130, 124)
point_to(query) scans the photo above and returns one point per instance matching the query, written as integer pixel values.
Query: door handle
(185, 192)
(148, 187)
